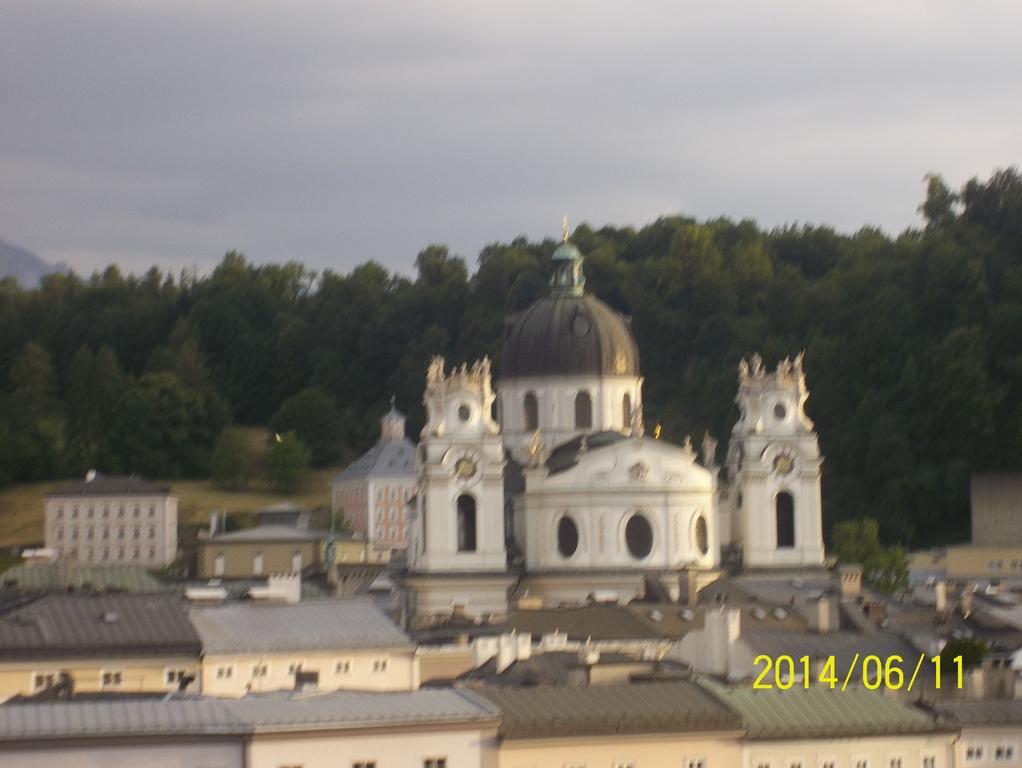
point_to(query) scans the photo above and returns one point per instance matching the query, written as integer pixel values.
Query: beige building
(991, 732)
(616, 726)
(324, 645)
(116, 643)
(105, 520)
(373, 493)
(996, 501)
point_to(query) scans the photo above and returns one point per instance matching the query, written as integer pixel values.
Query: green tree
(232, 462)
(858, 541)
(311, 415)
(34, 419)
(95, 383)
(287, 463)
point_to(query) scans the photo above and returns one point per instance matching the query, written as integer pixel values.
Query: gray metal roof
(112, 485)
(1004, 712)
(96, 719)
(607, 709)
(290, 710)
(268, 533)
(388, 458)
(283, 711)
(114, 624)
(309, 625)
(843, 646)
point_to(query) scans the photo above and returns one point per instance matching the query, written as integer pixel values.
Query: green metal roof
(820, 711)
(45, 577)
(608, 709)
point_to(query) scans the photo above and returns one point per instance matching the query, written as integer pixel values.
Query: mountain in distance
(24, 266)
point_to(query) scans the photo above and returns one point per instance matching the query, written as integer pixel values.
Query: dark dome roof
(567, 334)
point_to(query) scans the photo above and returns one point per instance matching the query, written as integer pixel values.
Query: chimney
(940, 596)
(975, 687)
(820, 614)
(849, 580)
(507, 652)
(689, 589)
(483, 649)
(214, 518)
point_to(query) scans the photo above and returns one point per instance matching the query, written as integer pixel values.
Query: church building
(546, 485)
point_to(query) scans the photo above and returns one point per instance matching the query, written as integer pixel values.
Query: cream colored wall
(989, 739)
(182, 752)
(652, 751)
(401, 673)
(137, 674)
(845, 753)
(239, 557)
(157, 531)
(464, 746)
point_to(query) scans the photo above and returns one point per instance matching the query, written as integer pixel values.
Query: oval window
(567, 537)
(639, 537)
(464, 412)
(702, 538)
(780, 411)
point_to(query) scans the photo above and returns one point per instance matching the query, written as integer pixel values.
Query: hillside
(24, 266)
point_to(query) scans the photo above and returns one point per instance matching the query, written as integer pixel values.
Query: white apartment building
(108, 520)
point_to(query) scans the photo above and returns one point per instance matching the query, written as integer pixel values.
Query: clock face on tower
(784, 463)
(464, 468)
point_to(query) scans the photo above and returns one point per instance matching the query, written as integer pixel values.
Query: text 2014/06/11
(785, 672)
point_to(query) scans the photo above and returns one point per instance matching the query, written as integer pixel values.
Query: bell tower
(774, 467)
(458, 559)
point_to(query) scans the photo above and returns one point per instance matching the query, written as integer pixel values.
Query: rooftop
(313, 624)
(114, 624)
(387, 458)
(47, 577)
(1008, 712)
(654, 707)
(111, 485)
(821, 712)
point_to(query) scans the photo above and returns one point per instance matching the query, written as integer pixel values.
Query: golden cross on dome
(564, 227)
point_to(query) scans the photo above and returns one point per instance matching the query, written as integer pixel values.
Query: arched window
(626, 411)
(466, 523)
(531, 411)
(583, 410)
(567, 537)
(639, 536)
(701, 536)
(784, 509)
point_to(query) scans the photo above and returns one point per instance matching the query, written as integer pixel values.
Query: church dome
(569, 333)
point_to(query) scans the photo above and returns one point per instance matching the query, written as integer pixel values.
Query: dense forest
(913, 348)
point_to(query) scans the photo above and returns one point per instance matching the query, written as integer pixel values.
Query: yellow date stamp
(872, 671)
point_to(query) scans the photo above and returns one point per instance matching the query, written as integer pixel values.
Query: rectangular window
(624, 764)
(257, 564)
(973, 753)
(695, 762)
(763, 764)
(894, 762)
(173, 677)
(111, 678)
(862, 762)
(42, 680)
(260, 670)
(434, 762)
(364, 764)
(224, 673)
(343, 667)
(929, 761)
(294, 667)
(380, 665)
(829, 762)
(1004, 753)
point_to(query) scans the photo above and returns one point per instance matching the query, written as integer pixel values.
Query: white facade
(774, 466)
(614, 402)
(591, 505)
(460, 466)
(113, 529)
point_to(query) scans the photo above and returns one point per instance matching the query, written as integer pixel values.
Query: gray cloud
(333, 132)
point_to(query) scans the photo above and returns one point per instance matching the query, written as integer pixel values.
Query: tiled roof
(45, 577)
(653, 707)
(112, 485)
(822, 712)
(113, 624)
(312, 624)
(97, 719)
(1008, 712)
(388, 458)
(289, 710)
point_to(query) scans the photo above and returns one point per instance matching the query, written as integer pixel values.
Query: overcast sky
(170, 131)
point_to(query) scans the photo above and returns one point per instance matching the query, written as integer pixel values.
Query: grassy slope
(21, 507)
